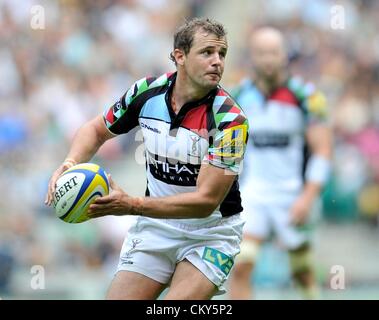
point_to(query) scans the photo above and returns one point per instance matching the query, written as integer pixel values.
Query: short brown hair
(183, 37)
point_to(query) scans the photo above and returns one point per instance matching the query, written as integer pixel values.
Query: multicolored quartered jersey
(213, 130)
(276, 154)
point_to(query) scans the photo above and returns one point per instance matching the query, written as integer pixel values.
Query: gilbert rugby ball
(76, 189)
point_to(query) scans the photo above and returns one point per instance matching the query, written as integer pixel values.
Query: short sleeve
(229, 141)
(122, 116)
(315, 106)
(312, 101)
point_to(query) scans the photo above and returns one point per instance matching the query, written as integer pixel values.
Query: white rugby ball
(76, 189)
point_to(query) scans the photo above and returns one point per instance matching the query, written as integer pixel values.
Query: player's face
(204, 63)
(268, 58)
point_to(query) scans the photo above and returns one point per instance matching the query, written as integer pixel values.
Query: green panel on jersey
(146, 84)
(219, 117)
(142, 88)
(297, 86)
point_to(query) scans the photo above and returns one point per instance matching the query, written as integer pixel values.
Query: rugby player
(189, 227)
(287, 162)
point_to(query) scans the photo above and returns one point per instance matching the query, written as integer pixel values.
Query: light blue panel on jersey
(219, 101)
(156, 108)
(250, 96)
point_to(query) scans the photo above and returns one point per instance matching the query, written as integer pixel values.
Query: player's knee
(301, 262)
(248, 254)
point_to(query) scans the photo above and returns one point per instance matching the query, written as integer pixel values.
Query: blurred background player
(287, 162)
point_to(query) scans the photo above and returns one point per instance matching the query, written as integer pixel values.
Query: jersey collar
(176, 119)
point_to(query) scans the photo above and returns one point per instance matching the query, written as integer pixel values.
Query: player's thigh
(189, 283)
(129, 285)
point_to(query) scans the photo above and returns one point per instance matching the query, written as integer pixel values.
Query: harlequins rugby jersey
(276, 154)
(213, 130)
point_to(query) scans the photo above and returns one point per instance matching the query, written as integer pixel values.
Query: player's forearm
(212, 187)
(86, 142)
(311, 190)
(181, 206)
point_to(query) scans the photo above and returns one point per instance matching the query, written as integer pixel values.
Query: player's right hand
(53, 181)
(299, 212)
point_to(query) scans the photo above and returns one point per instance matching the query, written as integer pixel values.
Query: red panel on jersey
(221, 92)
(235, 109)
(236, 122)
(284, 95)
(196, 119)
(169, 74)
(109, 116)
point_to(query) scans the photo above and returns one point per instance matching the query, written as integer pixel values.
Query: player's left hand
(117, 203)
(300, 210)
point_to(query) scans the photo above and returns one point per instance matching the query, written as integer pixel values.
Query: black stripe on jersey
(172, 171)
(211, 125)
(232, 202)
(129, 120)
(239, 119)
(150, 80)
(270, 140)
(135, 90)
(151, 118)
(147, 191)
(306, 156)
(226, 106)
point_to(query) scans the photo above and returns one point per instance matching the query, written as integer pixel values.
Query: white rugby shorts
(265, 218)
(153, 247)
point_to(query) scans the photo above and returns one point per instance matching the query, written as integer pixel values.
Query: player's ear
(179, 56)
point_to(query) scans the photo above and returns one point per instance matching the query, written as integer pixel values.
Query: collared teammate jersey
(213, 130)
(276, 153)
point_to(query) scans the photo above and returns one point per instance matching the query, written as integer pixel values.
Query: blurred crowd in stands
(54, 79)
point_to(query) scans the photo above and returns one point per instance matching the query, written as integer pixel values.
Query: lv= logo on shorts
(219, 259)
